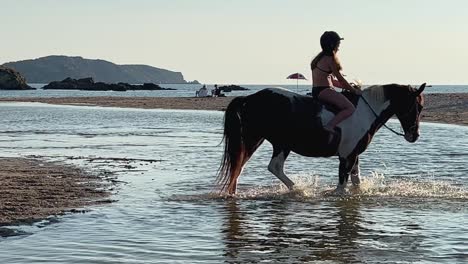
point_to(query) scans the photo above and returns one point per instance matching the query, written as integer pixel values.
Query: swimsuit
(316, 90)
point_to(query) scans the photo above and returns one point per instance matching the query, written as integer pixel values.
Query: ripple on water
(410, 209)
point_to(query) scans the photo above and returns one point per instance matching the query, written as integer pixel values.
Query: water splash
(306, 187)
(309, 188)
(417, 186)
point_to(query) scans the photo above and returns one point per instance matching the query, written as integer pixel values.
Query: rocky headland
(12, 80)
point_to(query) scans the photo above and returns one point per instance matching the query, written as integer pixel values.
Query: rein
(389, 128)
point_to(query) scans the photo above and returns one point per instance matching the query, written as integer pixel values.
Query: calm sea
(411, 206)
(188, 90)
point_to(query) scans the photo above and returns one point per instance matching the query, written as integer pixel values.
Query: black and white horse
(294, 122)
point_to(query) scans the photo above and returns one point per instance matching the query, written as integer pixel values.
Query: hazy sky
(248, 42)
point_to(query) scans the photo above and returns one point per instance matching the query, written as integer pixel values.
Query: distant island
(55, 68)
(88, 84)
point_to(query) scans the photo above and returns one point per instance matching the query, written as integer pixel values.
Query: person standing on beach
(216, 90)
(326, 75)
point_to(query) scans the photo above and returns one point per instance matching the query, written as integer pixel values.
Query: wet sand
(446, 108)
(33, 189)
(441, 108)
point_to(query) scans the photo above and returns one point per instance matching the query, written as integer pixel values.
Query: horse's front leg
(346, 165)
(356, 173)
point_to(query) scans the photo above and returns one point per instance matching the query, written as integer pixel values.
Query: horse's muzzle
(412, 134)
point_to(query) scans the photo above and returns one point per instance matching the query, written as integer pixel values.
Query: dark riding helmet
(329, 41)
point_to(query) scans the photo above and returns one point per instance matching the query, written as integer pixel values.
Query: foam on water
(421, 187)
(306, 187)
(309, 188)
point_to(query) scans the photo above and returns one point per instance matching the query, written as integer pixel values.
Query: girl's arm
(335, 82)
(342, 81)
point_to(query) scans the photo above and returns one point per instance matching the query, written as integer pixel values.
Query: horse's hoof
(339, 192)
(229, 195)
(355, 189)
(296, 192)
(355, 180)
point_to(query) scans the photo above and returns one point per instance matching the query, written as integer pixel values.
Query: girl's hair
(319, 56)
(329, 42)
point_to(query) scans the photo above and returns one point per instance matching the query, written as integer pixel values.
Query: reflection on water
(285, 233)
(341, 231)
(410, 207)
(301, 227)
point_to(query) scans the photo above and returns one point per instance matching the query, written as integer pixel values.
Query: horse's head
(407, 104)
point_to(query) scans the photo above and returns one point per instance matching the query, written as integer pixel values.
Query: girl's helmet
(329, 41)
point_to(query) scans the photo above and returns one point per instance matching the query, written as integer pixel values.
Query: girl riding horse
(325, 68)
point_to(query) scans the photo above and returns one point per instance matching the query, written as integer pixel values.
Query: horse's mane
(375, 93)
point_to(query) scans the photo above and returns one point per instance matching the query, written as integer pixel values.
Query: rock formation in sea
(229, 88)
(12, 80)
(54, 68)
(88, 84)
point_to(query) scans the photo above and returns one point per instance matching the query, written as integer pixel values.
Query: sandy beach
(441, 108)
(33, 189)
(446, 108)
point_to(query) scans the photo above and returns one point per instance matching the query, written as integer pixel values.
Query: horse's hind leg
(346, 166)
(356, 173)
(276, 165)
(251, 145)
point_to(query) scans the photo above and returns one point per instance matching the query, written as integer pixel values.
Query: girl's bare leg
(346, 107)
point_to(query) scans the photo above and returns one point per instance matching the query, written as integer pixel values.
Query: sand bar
(33, 189)
(442, 108)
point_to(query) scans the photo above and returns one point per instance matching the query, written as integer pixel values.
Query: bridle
(389, 128)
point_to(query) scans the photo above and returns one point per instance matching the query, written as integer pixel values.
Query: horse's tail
(235, 153)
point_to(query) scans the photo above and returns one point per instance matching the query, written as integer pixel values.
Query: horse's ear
(421, 89)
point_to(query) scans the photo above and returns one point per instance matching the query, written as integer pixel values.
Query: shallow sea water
(188, 90)
(410, 208)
